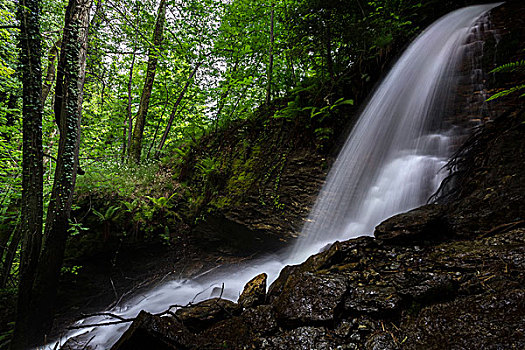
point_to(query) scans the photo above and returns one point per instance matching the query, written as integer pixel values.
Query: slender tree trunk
(329, 59)
(174, 110)
(10, 116)
(48, 84)
(32, 169)
(135, 148)
(224, 95)
(270, 60)
(50, 74)
(128, 122)
(8, 235)
(68, 110)
(5, 234)
(154, 139)
(10, 256)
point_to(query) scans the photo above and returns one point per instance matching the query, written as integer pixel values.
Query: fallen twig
(102, 324)
(103, 314)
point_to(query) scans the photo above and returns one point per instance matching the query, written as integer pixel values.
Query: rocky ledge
(448, 275)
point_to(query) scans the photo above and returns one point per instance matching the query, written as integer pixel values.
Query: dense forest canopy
(124, 88)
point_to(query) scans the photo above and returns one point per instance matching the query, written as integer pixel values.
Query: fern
(507, 92)
(518, 66)
(510, 67)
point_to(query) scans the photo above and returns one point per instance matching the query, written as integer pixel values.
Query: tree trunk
(10, 114)
(68, 110)
(128, 122)
(10, 256)
(270, 61)
(174, 110)
(329, 59)
(50, 74)
(32, 170)
(135, 148)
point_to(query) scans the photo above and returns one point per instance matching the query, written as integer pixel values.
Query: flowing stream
(390, 163)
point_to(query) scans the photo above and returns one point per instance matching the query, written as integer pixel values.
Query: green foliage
(76, 228)
(116, 179)
(295, 108)
(5, 337)
(511, 67)
(161, 203)
(518, 66)
(110, 213)
(208, 168)
(73, 270)
(508, 92)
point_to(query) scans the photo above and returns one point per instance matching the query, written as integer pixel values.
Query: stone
(426, 223)
(371, 299)
(206, 313)
(381, 341)
(261, 319)
(301, 338)
(310, 298)
(232, 333)
(154, 332)
(433, 287)
(487, 321)
(254, 292)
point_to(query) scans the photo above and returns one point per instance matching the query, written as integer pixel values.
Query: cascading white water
(390, 163)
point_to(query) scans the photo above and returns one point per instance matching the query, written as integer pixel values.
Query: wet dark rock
(276, 288)
(427, 223)
(254, 292)
(487, 321)
(301, 338)
(232, 333)
(372, 300)
(381, 341)
(310, 298)
(153, 332)
(430, 288)
(206, 313)
(261, 319)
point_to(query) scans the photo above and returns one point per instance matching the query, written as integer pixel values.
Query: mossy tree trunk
(68, 107)
(32, 169)
(135, 147)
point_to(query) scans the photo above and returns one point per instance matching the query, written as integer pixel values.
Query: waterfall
(390, 163)
(391, 160)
